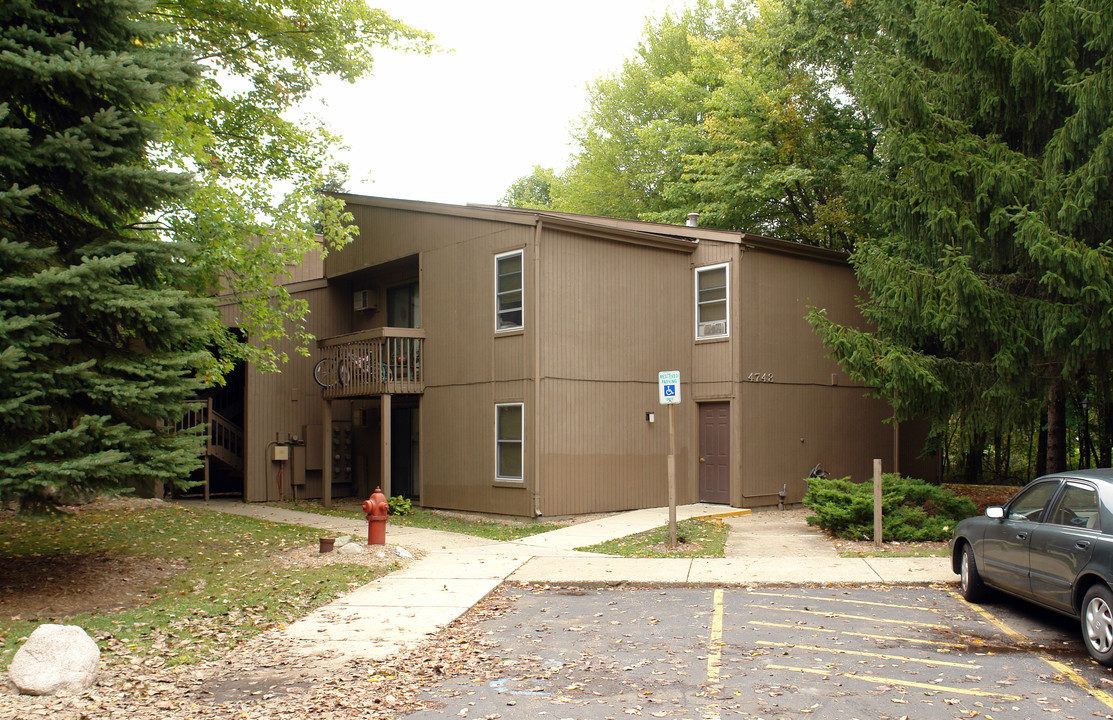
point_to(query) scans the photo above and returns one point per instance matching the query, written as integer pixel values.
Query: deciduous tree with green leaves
(990, 277)
(259, 161)
(774, 142)
(534, 191)
(635, 135)
(715, 113)
(100, 335)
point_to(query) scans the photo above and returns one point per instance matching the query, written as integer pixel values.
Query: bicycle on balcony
(328, 371)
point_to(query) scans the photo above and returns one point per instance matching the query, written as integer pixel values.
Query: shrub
(398, 505)
(912, 510)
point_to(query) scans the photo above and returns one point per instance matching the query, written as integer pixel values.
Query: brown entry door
(714, 453)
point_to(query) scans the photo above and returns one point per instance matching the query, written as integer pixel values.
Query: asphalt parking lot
(773, 653)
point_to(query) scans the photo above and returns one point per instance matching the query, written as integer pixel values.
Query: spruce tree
(99, 338)
(990, 279)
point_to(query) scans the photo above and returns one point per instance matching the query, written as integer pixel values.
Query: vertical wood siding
(469, 368)
(613, 316)
(715, 361)
(387, 234)
(286, 401)
(311, 268)
(792, 416)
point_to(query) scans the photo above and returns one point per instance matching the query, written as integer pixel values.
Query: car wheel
(970, 581)
(1097, 623)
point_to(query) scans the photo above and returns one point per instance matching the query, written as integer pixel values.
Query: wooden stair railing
(223, 441)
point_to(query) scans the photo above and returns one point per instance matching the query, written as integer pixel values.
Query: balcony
(382, 361)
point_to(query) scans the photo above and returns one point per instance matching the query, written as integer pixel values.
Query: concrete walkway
(388, 615)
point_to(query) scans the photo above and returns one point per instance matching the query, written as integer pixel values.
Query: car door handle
(1022, 535)
(1082, 544)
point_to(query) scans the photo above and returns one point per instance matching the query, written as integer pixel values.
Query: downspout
(537, 369)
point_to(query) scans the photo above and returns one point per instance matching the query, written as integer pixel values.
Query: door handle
(1022, 535)
(1082, 544)
(702, 460)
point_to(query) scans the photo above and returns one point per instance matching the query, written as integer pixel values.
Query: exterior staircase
(223, 442)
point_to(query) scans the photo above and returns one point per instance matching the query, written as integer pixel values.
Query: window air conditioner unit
(363, 300)
(711, 329)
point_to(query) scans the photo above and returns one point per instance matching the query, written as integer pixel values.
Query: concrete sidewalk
(388, 615)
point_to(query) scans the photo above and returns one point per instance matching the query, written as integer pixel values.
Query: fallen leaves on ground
(273, 676)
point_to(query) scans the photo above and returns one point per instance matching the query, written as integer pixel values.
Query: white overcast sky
(461, 126)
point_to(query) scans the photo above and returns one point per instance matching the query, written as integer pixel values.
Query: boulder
(55, 659)
(352, 548)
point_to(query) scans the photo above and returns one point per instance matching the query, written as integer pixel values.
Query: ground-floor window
(509, 425)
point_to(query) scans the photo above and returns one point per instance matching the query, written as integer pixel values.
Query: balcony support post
(384, 432)
(326, 448)
(208, 444)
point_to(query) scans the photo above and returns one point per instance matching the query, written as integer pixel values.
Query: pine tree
(990, 280)
(99, 338)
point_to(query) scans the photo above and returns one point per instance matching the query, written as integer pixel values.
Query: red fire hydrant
(376, 510)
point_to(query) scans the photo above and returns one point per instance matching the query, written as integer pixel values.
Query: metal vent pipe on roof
(693, 219)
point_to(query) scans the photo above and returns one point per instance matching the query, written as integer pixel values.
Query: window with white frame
(711, 302)
(509, 425)
(508, 291)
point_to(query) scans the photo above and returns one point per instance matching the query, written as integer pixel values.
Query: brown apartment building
(500, 360)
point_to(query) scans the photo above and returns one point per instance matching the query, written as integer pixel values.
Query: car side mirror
(995, 512)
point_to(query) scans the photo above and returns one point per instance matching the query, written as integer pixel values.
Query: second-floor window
(508, 291)
(711, 302)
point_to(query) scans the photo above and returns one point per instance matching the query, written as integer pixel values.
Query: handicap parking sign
(668, 386)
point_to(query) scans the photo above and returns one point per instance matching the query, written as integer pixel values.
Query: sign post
(668, 391)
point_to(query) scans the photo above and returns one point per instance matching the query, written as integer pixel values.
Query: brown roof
(679, 237)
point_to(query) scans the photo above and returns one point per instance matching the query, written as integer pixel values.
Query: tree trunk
(1056, 428)
(1041, 449)
(1008, 464)
(1033, 441)
(1105, 436)
(972, 472)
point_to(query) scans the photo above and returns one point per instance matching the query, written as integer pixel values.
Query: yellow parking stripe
(843, 600)
(839, 616)
(893, 682)
(922, 641)
(715, 642)
(879, 656)
(1070, 672)
(713, 711)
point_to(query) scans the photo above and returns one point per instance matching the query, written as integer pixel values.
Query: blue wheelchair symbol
(670, 391)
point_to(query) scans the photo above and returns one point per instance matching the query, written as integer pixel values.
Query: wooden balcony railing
(383, 361)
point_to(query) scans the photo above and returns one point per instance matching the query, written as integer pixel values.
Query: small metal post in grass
(877, 502)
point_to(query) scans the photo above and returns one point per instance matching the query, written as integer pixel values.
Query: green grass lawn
(902, 552)
(509, 529)
(229, 590)
(696, 538)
